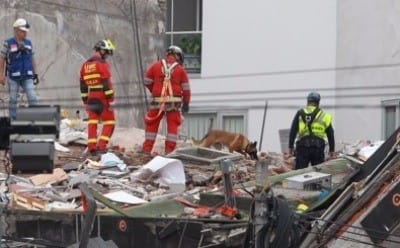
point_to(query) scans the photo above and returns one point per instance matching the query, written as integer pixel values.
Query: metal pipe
(262, 127)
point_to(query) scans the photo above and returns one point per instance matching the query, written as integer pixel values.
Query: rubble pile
(123, 176)
(115, 174)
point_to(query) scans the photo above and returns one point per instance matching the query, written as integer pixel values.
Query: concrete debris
(186, 184)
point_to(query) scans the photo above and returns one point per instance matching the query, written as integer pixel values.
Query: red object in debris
(186, 202)
(235, 192)
(84, 202)
(227, 211)
(203, 211)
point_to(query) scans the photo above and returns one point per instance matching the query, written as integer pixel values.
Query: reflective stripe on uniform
(103, 137)
(109, 123)
(92, 141)
(150, 136)
(109, 92)
(172, 137)
(167, 99)
(148, 81)
(93, 121)
(96, 87)
(185, 86)
(91, 76)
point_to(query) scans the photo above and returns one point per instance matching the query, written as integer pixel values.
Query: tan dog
(233, 141)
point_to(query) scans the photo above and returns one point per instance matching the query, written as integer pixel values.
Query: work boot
(142, 155)
(86, 153)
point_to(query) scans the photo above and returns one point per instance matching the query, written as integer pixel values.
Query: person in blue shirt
(18, 57)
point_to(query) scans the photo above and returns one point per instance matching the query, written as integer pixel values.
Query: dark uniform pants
(306, 155)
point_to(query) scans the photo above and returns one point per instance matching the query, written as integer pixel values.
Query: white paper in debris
(367, 151)
(170, 170)
(124, 197)
(110, 158)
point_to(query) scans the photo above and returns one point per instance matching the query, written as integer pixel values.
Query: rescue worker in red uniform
(97, 94)
(168, 83)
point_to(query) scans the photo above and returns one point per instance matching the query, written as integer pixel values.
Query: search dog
(233, 141)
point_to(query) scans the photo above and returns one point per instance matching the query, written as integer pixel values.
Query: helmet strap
(103, 53)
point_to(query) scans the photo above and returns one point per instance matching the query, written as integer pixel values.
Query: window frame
(390, 103)
(218, 122)
(191, 59)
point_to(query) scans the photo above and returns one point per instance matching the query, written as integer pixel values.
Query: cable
(252, 92)
(84, 10)
(125, 89)
(349, 227)
(311, 70)
(182, 234)
(135, 30)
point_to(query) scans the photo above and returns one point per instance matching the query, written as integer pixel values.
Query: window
(196, 125)
(391, 117)
(233, 123)
(184, 19)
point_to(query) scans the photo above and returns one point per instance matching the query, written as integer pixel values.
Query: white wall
(266, 50)
(369, 45)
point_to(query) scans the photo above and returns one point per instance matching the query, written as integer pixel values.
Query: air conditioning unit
(309, 181)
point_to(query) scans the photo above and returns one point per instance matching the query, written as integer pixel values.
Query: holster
(95, 105)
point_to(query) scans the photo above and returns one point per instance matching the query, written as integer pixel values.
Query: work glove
(331, 155)
(185, 108)
(291, 152)
(35, 79)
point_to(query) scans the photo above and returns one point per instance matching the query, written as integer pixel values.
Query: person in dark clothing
(311, 126)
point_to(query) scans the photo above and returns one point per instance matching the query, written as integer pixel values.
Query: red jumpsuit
(169, 86)
(97, 93)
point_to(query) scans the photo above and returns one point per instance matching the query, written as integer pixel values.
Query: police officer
(312, 126)
(18, 53)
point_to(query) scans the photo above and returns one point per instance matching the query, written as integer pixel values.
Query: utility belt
(167, 99)
(168, 106)
(311, 141)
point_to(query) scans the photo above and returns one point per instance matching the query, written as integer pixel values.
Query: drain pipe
(262, 127)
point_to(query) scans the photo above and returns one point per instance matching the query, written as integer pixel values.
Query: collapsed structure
(199, 197)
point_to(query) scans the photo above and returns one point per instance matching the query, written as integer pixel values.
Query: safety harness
(309, 118)
(311, 140)
(167, 95)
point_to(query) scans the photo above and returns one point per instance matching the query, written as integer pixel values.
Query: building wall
(368, 50)
(266, 51)
(64, 32)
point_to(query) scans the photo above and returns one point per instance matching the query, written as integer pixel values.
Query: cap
(314, 96)
(21, 24)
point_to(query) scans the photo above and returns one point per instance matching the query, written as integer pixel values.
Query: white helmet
(21, 24)
(177, 51)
